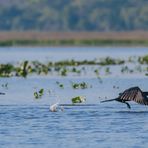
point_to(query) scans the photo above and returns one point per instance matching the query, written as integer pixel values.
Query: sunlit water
(12, 54)
(27, 122)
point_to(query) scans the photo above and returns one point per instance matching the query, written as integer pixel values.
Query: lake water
(26, 122)
(12, 54)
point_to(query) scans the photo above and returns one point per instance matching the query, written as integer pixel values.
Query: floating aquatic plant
(107, 70)
(75, 70)
(81, 85)
(6, 70)
(63, 72)
(39, 94)
(40, 68)
(143, 60)
(111, 61)
(66, 67)
(24, 69)
(78, 99)
(60, 84)
(5, 85)
(96, 71)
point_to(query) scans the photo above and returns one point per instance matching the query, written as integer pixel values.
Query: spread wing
(134, 94)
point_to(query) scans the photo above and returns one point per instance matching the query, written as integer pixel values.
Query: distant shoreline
(136, 38)
(90, 42)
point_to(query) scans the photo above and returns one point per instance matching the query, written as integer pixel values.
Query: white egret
(56, 106)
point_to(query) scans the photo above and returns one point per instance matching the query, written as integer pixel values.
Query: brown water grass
(32, 35)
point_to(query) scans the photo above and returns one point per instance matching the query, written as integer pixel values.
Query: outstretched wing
(133, 94)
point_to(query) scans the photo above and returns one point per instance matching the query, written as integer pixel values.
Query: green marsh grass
(75, 67)
(73, 42)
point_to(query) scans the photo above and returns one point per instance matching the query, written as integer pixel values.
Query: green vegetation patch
(66, 67)
(73, 42)
(78, 99)
(39, 94)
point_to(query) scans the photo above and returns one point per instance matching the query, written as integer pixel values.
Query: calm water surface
(27, 123)
(12, 54)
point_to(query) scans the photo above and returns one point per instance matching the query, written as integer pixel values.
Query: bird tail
(2, 93)
(107, 100)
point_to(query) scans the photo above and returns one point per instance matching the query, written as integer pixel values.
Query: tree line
(73, 15)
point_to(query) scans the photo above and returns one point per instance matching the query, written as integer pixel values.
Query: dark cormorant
(132, 94)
